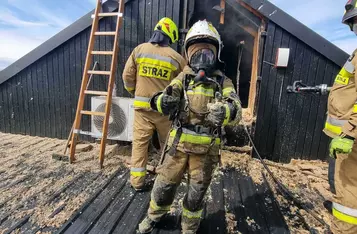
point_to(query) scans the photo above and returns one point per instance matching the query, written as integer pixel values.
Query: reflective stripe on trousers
(155, 207)
(139, 172)
(334, 125)
(142, 102)
(344, 213)
(191, 215)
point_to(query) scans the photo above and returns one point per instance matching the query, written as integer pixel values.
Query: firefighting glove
(340, 145)
(217, 113)
(167, 104)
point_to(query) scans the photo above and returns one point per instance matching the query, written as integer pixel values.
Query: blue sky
(25, 24)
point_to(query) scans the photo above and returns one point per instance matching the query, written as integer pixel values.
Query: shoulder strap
(220, 80)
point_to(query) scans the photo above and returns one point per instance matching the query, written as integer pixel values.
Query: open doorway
(241, 25)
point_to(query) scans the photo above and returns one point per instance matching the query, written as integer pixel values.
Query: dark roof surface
(117, 208)
(266, 8)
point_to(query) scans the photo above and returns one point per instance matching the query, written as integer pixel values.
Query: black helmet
(350, 13)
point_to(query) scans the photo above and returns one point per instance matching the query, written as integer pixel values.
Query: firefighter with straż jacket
(149, 69)
(202, 100)
(341, 126)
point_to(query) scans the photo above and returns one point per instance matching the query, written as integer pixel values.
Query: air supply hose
(285, 191)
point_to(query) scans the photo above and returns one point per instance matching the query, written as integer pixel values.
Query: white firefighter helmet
(204, 30)
(350, 13)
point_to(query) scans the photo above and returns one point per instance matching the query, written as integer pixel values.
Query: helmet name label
(154, 72)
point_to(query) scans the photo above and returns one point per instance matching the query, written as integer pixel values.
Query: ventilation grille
(117, 120)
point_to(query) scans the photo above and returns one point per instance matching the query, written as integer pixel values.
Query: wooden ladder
(87, 72)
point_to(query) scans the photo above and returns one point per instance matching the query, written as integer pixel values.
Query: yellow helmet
(169, 28)
(350, 13)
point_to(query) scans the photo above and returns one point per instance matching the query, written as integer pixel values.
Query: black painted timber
(39, 93)
(119, 209)
(289, 125)
(214, 221)
(249, 201)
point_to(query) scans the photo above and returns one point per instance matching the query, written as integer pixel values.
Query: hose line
(285, 191)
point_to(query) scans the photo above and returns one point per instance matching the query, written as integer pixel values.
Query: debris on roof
(39, 194)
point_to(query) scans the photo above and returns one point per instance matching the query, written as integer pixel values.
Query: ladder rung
(104, 33)
(108, 14)
(92, 92)
(77, 131)
(102, 52)
(93, 113)
(107, 73)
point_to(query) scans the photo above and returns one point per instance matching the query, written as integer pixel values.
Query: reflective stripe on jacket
(194, 138)
(334, 126)
(148, 70)
(199, 96)
(342, 102)
(142, 102)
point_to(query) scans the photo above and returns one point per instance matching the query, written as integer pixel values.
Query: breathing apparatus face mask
(203, 59)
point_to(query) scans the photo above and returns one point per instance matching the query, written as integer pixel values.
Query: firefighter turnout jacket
(197, 136)
(149, 69)
(342, 102)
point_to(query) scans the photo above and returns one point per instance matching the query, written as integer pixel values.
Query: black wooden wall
(289, 125)
(41, 100)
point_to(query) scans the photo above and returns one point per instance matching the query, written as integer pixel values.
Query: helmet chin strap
(354, 28)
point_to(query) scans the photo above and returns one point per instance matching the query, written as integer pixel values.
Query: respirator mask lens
(203, 59)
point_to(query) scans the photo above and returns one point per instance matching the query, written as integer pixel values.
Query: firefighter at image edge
(202, 100)
(341, 127)
(149, 69)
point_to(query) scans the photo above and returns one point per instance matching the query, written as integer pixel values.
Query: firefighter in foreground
(341, 126)
(202, 100)
(149, 69)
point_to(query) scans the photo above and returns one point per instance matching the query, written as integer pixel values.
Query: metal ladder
(87, 72)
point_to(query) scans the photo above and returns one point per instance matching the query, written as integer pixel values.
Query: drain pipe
(240, 54)
(184, 29)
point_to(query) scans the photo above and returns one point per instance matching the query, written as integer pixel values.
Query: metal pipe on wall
(184, 25)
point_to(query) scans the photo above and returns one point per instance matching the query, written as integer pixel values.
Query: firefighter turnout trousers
(199, 169)
(344, 182)
(145, 122)
(148, 70)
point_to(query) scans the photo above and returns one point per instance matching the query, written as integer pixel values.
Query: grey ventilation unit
(120, 121)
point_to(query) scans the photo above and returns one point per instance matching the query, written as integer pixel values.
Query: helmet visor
(203, 59)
